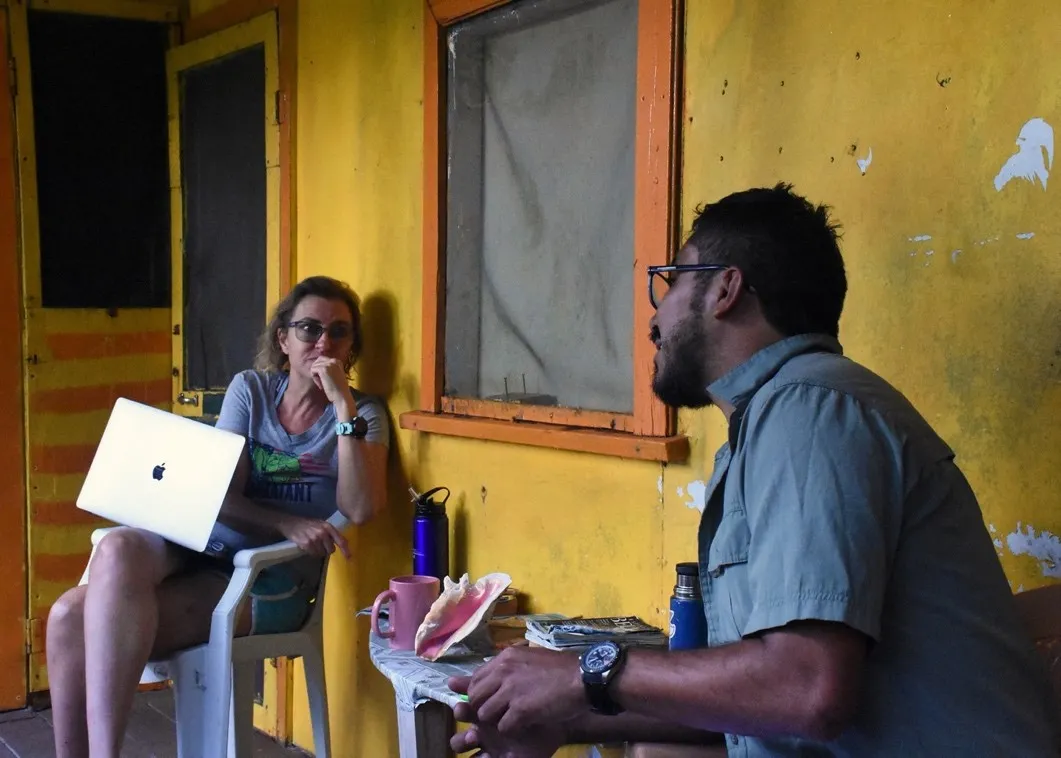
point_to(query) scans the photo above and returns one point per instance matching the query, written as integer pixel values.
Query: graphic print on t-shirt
(279, 475)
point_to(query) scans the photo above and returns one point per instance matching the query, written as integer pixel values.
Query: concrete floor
(152, 733)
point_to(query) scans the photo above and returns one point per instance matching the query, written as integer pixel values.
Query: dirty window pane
(223, 177)
(99, 101)
(541, 113)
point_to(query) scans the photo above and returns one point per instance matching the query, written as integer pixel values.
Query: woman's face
(318, 327)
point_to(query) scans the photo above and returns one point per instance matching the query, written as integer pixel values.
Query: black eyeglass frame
(307, 327)
(666, 274)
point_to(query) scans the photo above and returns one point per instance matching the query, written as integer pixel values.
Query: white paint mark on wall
(659, 484)
(864, 163)
(696, 494)
(988, 241)
(1043, 546)
(954, 255)
(920, 238)
(1025, 235)
(1034, 157)
(930, 252)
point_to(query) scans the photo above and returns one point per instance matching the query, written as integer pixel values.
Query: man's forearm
(801, 681)
(634, 727)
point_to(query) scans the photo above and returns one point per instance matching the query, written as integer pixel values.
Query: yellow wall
(972, 337)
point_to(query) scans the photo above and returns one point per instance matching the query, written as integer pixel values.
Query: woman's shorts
(280, 601)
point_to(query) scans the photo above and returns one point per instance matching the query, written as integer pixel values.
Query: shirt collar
(738, 386)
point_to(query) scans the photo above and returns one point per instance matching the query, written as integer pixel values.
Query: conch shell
(461, 609)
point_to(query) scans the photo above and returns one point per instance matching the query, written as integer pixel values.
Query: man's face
(680, 334)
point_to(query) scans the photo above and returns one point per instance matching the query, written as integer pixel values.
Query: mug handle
(381, 598)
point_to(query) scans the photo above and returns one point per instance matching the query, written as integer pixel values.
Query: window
(99, 102)
(549, 160)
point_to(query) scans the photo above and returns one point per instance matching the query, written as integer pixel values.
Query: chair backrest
(1040, 610)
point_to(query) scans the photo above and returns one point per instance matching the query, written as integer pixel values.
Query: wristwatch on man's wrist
(600, 666)
(356, 427)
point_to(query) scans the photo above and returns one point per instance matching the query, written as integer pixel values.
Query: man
(855, 603)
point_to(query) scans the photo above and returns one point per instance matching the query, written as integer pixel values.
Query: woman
(314, 445)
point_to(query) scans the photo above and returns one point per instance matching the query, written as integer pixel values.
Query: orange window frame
(649, 431)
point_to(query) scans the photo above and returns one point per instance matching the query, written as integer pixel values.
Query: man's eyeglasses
(310, 330)
(660, 278)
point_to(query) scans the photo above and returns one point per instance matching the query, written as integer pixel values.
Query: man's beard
(682, 381)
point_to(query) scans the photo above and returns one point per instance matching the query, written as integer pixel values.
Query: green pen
(463, 697)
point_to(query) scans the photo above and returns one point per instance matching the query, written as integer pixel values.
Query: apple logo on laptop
(158, 471)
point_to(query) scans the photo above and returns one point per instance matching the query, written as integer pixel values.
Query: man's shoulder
(821, 374)
(812, 381)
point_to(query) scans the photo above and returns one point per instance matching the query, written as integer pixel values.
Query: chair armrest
(279, 552)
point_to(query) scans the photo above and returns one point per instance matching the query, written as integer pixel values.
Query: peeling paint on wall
(695, 495)
(864, 163)
(1043, 546)
(1025, 235)
(1034, 157)
(920, 238)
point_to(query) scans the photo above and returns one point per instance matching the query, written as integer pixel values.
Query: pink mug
(410, 599)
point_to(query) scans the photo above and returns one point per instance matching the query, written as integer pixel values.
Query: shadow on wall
(384, 545)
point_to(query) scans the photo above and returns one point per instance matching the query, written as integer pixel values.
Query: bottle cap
(688, 569)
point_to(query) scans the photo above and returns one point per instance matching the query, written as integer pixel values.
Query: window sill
(619, 444)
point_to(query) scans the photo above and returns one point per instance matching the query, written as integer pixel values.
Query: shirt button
(734, 739)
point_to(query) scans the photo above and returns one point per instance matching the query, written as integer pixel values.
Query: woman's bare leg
(120, 623)
(96, 672)
(66, 673)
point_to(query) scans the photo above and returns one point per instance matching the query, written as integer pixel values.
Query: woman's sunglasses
(310, 330)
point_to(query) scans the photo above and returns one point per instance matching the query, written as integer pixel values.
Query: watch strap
(356, 428)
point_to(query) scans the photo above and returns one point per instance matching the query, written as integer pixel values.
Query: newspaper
(567, 634)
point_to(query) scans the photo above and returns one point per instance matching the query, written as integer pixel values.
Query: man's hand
(540, 742)
(527, 687)
(313, 536)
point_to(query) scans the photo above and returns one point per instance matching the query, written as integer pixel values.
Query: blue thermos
(431, 534)
(688, 624)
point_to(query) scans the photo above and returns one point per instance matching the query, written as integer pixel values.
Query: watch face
(360, 427)
(600, 657)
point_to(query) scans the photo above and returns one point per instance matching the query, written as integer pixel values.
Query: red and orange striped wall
(78, 363)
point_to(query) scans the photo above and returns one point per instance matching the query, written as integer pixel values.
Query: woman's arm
(361, 492)
(244, 515)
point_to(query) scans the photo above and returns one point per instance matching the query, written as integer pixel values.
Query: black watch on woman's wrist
(356, 427)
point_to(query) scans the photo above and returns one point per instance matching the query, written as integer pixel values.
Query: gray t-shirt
(835, 501)
(296, 473)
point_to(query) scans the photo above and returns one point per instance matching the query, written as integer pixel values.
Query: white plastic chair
(213, 684)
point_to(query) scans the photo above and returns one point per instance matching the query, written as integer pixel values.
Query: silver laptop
(162, 472)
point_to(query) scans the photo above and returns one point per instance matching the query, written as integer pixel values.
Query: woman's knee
(66, 620)
(132, 554)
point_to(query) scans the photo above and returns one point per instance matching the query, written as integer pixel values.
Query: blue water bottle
(688, 624)
(431, 534)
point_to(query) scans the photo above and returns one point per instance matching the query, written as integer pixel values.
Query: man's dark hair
(787, 250)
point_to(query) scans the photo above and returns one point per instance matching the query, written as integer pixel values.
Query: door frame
(226, 29)
(14, 589)
(260, 30)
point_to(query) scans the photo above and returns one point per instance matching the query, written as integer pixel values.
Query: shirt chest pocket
(727, 574)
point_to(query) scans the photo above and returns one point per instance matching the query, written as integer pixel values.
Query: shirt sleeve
(374, 412)
(235, 415)
(823, 497)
